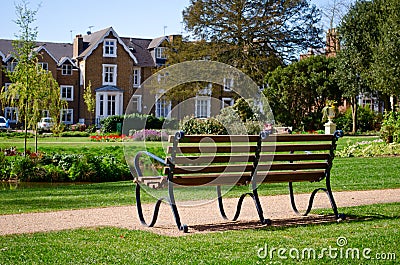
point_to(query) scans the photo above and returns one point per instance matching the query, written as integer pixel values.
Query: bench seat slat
(251, 149)
(298, 138)
(213, 159)
(245, 168)
(212, 179)
(213, 149)
(291, 176)
(211, 169)
(295, 147)
(194, 160)
(242, 179)
(216, 138)
(293, 157)
(293, 166)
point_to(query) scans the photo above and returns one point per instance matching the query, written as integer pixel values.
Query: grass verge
(374, 227)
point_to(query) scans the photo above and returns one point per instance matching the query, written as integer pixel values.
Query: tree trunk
(26, 127)
(354, 109)
(36, 140)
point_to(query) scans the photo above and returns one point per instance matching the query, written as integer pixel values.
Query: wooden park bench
(218, 160)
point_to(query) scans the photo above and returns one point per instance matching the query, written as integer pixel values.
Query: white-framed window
(109, 104)
(67, 93)
(11, 66)
(44, 66)
(163, 107)
(11, 114)
(110, 48)
(202, 107)
(66, 69)
(67, 116)
(226, 102)
(136, 77)
(136, 102)
(160, 53)
(109, 74)
(228, 84)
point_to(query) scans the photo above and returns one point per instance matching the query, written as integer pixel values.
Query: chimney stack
(77, 46)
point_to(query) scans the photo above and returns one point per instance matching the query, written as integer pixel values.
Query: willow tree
(33, 89)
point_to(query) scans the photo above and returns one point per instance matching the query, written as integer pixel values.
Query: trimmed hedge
(136, 121)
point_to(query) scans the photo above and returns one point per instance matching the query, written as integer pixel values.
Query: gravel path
(200, 219)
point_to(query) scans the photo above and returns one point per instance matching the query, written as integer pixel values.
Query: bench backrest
(211, 159)
(232, 159)
(294, 157)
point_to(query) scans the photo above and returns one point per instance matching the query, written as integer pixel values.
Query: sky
(60, 21)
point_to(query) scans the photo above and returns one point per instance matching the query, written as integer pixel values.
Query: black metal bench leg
(140, 211)
(328, 192)
(257, 202)
(239, 206)
(181, 227)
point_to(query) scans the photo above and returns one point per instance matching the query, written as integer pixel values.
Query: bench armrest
(151, 155)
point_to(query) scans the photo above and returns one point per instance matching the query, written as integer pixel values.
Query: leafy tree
(370, 33)
(254, 36)
(357, 31)
(33, 89)
(89, 99)
(385, 65)
(297, 93)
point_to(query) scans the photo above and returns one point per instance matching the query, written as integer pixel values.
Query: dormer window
(160, 53)
(110, 48)
(44, 66)
(66, 69)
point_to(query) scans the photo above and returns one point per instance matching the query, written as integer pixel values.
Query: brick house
(55, 57)
(115, 67)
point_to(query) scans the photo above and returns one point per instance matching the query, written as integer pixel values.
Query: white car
(45, 124)
(3, 123)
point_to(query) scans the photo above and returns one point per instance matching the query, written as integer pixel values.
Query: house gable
(97, 38)
(41, 49)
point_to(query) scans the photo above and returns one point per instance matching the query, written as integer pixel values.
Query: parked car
(3, 123)
(45, 124)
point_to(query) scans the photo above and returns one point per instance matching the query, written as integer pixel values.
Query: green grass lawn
(373, 227)
(347, 174)
(373, 231)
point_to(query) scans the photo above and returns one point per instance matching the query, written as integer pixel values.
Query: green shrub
(136, 121)
(203, 126)
(390, 130)
(253, 127)
(369, 149)
(23, 168)
(109, 124)
(74, 134)
(15, 135)
(5, 167)
(64, 167)
(367, 120)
